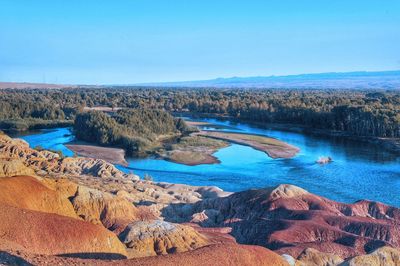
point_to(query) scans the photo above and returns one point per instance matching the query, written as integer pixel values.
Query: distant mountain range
(335, 80)
(347, 80)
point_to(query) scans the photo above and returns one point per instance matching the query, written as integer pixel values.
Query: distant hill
(335, 80)
(348, 80)
(25, 85)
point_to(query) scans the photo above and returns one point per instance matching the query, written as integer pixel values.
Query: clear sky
(131, 41)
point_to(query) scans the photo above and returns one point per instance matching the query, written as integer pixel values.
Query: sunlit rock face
(385, 256)
(29, 193)
(14, 167)
(114, 212)
(38, 219)
(150, 238)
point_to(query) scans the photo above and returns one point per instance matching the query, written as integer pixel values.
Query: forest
(137, 131)
(373, 113)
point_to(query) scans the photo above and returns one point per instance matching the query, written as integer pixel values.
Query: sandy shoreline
(111, 155)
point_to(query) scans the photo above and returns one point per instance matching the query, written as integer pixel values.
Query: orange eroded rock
(27, 192)
(151, 238)
(98, 207)
(51, 234)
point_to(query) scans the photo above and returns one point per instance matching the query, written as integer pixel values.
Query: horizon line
(148, 83)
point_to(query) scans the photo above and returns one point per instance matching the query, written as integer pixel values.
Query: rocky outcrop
(114, 212)
(39, 219)
(49, 163)
(286, 192)
(93, 167)
(288, 219)
(313, 257)
(63, 186)
(385, 256)
(28, 193)
(14, 167)
(110, 179)
(150, 238)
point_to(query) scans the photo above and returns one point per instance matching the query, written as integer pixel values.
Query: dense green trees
(135, 130)
(358, 112)
(24, 109)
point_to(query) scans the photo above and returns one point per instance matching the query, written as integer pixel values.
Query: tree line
(358, 112)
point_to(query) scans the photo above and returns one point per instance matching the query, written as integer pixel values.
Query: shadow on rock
(94, 255)
(9, 259)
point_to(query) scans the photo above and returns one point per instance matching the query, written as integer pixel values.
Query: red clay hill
(288, 220)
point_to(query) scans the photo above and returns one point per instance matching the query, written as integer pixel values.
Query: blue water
(52, 139)
(359, 170)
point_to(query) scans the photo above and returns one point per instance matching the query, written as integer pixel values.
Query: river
(359, 170)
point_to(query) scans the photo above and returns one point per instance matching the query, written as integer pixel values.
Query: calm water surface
(359, 170)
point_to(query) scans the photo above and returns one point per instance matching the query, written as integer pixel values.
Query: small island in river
(193, 150)
(199, 147)
(273, 147)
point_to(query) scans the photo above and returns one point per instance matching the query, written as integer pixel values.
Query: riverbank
(111, 155)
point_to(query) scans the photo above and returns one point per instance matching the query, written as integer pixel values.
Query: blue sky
(121, 42)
